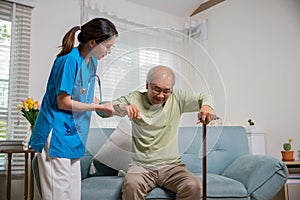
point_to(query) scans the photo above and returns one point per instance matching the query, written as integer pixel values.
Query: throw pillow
(116, 151)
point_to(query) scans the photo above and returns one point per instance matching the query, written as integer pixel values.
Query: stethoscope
(83, 90)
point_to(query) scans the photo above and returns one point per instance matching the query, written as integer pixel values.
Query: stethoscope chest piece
(83, 91)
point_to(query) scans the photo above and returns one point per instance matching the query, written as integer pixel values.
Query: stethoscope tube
(83, 90)
(99, 85)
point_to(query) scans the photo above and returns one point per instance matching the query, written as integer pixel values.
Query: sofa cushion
(217, 187)
(101, 169)
(116, 151)
(96, 138)
(220, 186)
(109, 187)
(159, 193)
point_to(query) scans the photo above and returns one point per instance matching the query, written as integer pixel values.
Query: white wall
(255, 44)
(51, 20)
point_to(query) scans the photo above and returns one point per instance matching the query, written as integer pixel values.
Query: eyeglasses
(108, 47)
(158, 90)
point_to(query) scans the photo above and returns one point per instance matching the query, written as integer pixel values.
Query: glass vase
(27, 138)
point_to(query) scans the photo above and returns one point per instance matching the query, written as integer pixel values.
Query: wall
(254, 43)
(256, 46)
(51, 20)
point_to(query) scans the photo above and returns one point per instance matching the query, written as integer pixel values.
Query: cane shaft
(204, 182)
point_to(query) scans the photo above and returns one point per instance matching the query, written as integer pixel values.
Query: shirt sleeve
(123, 100)
(192, 102)
(66, 75)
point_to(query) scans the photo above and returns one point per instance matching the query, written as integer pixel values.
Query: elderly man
(156, 159)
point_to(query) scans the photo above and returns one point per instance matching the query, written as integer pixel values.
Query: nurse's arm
(121, 110)
(65, 102)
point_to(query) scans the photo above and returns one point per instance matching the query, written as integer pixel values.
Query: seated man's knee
(191, 186)
(132, 182)
(194, 185)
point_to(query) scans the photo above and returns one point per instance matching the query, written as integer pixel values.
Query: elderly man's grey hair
(162, 71)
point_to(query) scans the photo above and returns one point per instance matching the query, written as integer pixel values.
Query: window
(15, 27)
(126, 68)
(140, 46)
(5, 46)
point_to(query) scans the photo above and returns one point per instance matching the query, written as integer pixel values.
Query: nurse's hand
(106, 108)
(96, 100)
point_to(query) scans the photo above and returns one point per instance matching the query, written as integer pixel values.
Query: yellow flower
(29, 109)
(29, 101)
(290, 140)
(30, 106)
(25, 104)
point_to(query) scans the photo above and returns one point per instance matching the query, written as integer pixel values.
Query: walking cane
(204, 182)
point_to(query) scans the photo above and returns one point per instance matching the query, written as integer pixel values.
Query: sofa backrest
(224, 145)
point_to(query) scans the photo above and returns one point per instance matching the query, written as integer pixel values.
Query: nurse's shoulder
(71, 59)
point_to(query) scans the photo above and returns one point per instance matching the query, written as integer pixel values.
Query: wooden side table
(27, 153)
(294, 175)
(293, 164)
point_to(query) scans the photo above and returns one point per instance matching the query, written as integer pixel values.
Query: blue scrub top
(69, 74)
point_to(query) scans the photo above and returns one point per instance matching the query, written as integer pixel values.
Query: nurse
(63, 122)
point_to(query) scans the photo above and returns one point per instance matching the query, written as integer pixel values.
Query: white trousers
(60, 178)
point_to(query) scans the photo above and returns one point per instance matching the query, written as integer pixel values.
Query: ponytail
(68, 41)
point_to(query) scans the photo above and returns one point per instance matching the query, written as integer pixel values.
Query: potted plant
(288, 153)
(29, 109)
(251, 126)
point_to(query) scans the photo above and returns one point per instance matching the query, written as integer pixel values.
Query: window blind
(15, 24)
(126, 68)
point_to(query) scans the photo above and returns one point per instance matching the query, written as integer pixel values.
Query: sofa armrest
(257, 173)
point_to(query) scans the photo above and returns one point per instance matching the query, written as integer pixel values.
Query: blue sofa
(233, 174)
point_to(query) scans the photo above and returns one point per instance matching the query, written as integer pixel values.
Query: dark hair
(98, 29)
